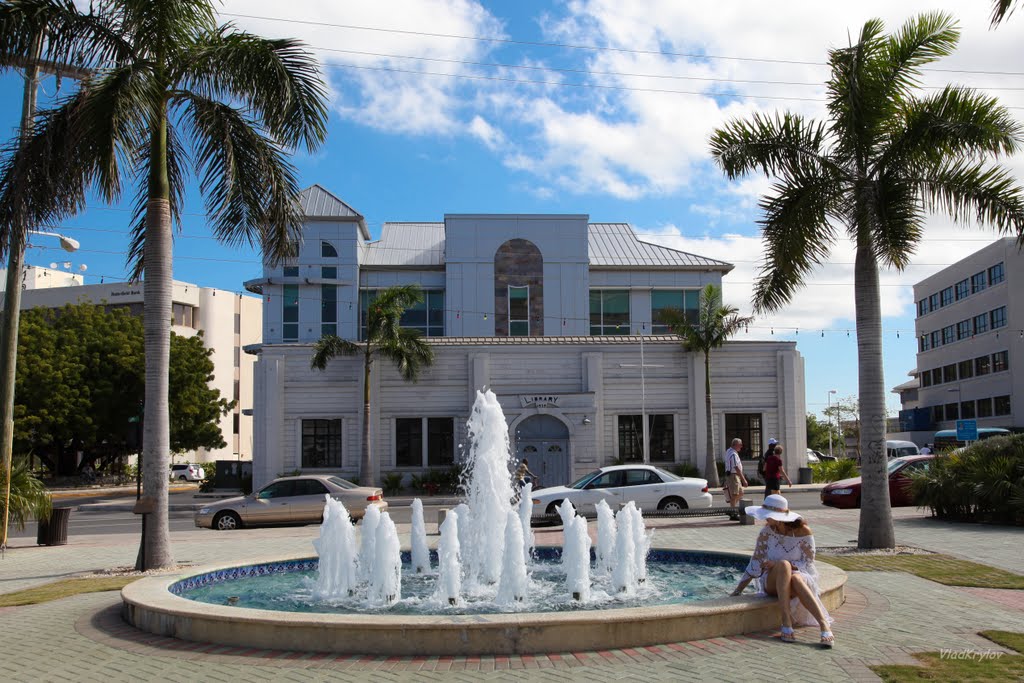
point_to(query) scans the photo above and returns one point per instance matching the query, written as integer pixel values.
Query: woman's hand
(736, 592)
(768, 565)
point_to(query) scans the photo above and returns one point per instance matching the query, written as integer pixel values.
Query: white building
(552, 312)
(228, 321)
(969, 324)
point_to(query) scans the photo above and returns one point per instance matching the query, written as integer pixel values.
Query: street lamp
(9, 355)
(643, 399)
(830, 392)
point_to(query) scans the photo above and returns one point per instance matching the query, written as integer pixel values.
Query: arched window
(327, 250)
(518, 290)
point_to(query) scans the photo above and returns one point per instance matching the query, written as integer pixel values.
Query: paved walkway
(887, 616)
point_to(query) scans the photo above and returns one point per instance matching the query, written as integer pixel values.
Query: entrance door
(544, 441)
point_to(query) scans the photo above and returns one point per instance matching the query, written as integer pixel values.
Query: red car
(845, 493)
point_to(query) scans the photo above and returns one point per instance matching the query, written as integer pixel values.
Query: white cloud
(488, 134)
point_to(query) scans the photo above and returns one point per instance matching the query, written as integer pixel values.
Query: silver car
(289, 500)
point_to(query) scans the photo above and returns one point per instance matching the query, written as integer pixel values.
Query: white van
(895, 449)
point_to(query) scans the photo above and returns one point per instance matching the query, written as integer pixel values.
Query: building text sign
(539, 400)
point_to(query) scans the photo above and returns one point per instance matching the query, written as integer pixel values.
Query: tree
(818, 434)
(81, 382)
(386, 338)
(1002, 9)
(714, 323)
(29, 498)
(883, 160)
(176, 80)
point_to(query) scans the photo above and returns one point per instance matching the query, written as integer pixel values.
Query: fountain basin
(149, 604)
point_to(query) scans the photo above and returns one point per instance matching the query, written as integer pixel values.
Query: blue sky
(422, 125)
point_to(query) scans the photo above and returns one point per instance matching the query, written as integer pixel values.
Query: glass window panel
(984, 407)
(926, 378)
(331, 329)
(967, 410)
(440, 441)
(933, 301)
(938, 414)
(981, 323)
(745, 426)
(963, 329)
(329, 272)
(982, 365)
(922, 307)
(948, 334)
(952, 411)
(631, 446)
(1000, 361)
(947, 296)
(999, 317)
(327, 250)
(321, 443)
(978, 282)
(609, 311)
(949, 373)
(435, 308)
(962, 289)
(995, 274)
(328, 303)
(1001, 404)
(965, 369)
(937, 376)
(291, 271)
(409, 442)
(519, 328)
(662, 433)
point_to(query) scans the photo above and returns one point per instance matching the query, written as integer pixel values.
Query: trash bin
(54, 531)
(805, 476)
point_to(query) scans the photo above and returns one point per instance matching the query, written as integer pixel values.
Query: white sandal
(828, 640)
(787, 635)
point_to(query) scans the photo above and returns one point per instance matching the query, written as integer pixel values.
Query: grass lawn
(943, 569)
(65, 589)
(959, 667)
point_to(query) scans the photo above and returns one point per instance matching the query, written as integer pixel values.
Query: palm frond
(785, 143)
(897, 220)
(278, 80)
(250, 187)
(715, 322)
(29, 497)
(970, 190)
(329, 347)
(409, 351)
(1001, 9)
(921, 40)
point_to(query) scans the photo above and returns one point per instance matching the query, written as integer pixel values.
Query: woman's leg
(779, 579)
(809, 600)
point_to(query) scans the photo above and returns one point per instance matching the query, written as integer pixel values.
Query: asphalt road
(102, 522)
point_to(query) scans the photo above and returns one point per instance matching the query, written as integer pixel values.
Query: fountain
(493, 592)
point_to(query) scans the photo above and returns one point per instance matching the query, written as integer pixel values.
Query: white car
(651, 488)
(187, 472)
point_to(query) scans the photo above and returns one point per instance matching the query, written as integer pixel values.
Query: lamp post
(9, 357)
(643, 399)
(830, 392)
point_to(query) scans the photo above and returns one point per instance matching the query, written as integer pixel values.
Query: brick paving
(887, 617)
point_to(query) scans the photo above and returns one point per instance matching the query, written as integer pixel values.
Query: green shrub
(984, 482)
(207, 485)
(828, 471)
(391, 483)
(686, 469)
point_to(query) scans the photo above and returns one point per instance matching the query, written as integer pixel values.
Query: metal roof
(407, 245)
(317, 202)
(610, 245)
(616, 245)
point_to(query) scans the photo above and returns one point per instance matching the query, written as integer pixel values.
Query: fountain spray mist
(386, 581)
(420, 553)
(368, 540)
(449, 567)
(336, 574)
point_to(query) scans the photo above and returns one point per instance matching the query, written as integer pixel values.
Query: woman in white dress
(783, 564)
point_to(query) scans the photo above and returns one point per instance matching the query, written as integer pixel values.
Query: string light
(823, 334)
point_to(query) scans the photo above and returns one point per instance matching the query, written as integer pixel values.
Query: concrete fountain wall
(149, 605)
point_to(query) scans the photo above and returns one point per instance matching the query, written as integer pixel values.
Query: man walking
(734, 479)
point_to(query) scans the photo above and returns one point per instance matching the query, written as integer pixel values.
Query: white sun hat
(774, 507)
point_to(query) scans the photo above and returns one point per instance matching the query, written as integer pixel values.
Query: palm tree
(385, 337)
(28, 498)
(1001, 9)
(715, 322)
(180, 93)
(882, 161)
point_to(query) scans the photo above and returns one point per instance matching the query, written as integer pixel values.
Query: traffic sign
(966, 430)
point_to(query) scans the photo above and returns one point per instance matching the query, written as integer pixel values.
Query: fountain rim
(153, 593)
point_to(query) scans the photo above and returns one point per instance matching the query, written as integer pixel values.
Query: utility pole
(15, 265)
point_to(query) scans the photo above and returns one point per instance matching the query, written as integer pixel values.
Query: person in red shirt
(774, 472)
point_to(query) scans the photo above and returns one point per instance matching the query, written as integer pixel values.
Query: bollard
(744, 517)
(441, 514)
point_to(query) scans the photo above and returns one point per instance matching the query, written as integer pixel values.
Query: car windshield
(896, 463)
(342, 483)
(666, 475)
(584, 480)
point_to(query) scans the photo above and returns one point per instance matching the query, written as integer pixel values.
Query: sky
(600, 107)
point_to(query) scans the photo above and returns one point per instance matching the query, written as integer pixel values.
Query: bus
(945, 440)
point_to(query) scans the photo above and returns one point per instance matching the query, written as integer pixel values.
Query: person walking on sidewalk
(773, 468)
(735, 482)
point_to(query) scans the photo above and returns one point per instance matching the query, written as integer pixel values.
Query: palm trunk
(157, 292)
(710, 466)
(366, 474)
(876, 529)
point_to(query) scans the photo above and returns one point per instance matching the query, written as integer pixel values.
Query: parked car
(289, 500)
(187, 472)
(845, 493)
(649, 487)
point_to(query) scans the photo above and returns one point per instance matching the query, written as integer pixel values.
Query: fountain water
(420, 553)
(641, 542)
(336, 546)
(368, 538)
(513, 584)
(605, 538)
(624, 571)
(575, 553)
(386, 581)
(525, 512)
(449, 566)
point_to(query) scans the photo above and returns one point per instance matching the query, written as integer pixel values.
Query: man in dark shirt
(773, 470)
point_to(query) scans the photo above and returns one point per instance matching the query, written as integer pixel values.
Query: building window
(238, 323)
(984, 407)
(998, 317)
(440, 441)
(183, 315)
(329, 272)
(409, 442)
(965, 369)
(933, 302)
(427, 316)
(936, 375)
(922, 307)
(926, 378)
(949, 373)
(978, 282)
(963, 329)
(236, 390)
(982, 365)
(926, 342)
(327, 250)
(661, 430)
(291, 271)
(936, 339)
(1001, 404)
(684, 300)
(519, 311)
(631, 447)
(947, 296)
(321, 443)
(746, 426)
(981, 323)
(329, 309)
(963, 288)
(952, 411)
(609, 311)
(948, 334)
(967, 410)
(938, 414)
(290, 313)
(995, 274)
(1000, 361)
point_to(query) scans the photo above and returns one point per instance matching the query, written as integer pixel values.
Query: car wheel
(553, 507)
(227, 521)
(672, 504)
(183, 478)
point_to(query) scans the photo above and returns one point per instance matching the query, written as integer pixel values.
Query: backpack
(760, 465)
